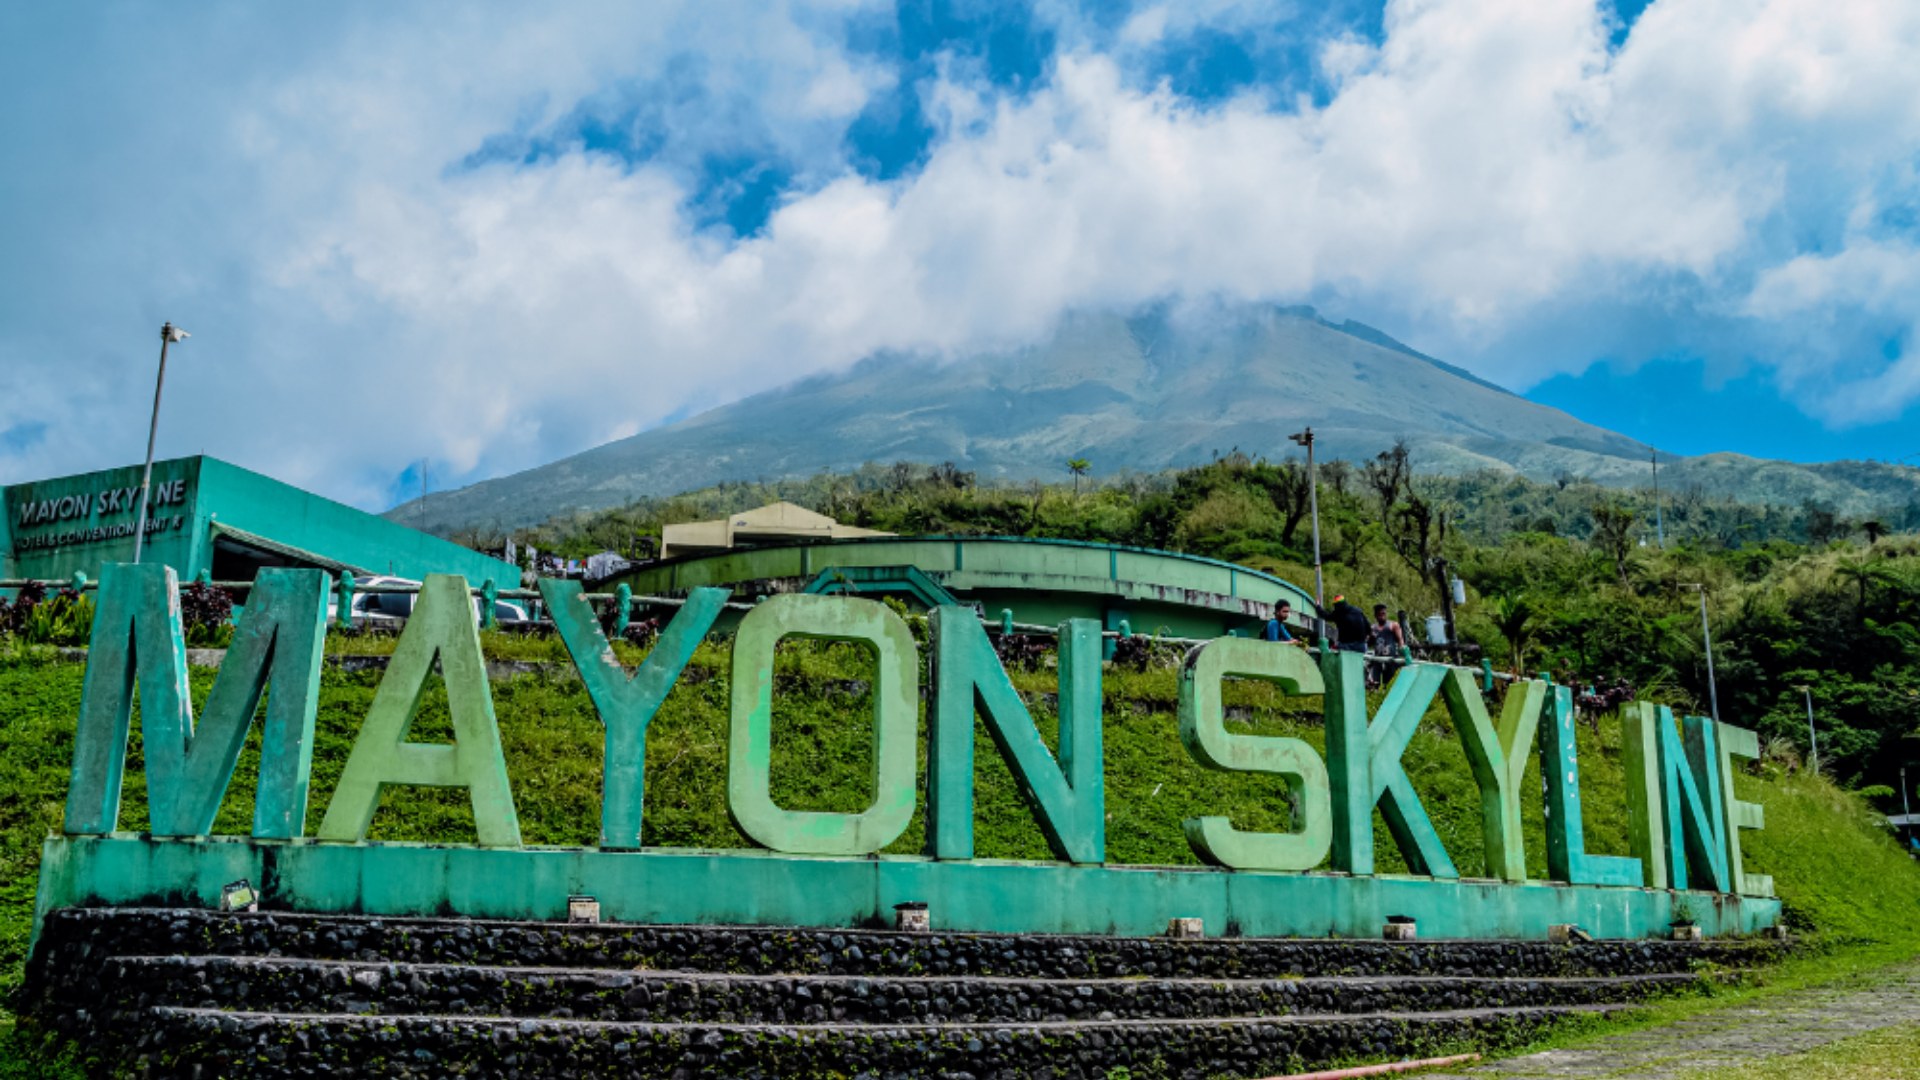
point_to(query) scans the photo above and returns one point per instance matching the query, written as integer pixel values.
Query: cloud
(497, 238)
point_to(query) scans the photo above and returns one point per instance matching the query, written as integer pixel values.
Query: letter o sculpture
(896, 696)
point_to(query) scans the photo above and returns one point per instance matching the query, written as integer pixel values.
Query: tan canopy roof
(774, 523)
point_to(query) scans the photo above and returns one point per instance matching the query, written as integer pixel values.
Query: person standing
(1385, 636)
(1349, 625)
(1277, 626)
(1386, 641)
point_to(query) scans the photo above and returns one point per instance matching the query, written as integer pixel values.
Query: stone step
(283, 984)
(796, 951)
(205, 1043)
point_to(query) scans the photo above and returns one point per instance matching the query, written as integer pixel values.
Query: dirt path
(1729, 1037)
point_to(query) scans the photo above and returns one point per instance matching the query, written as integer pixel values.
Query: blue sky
(485, 237)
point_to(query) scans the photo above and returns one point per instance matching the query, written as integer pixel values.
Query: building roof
(774, 523)
(211, 512)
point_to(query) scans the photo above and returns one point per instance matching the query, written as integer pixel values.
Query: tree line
(1597, 585)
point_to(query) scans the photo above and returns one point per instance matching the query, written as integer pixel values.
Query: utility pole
(1446, 606)
(1813, 740)
(1305, 438)
(169, 334)
(1659, 516)
(1706, 634)
(1905, 810)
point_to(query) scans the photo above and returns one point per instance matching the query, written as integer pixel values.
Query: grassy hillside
(1839, 874)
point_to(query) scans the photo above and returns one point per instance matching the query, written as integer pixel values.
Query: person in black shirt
(1349, 625)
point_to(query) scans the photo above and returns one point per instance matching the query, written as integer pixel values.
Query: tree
(1613, 535)
(1078, 467)
(948, 475)
(1288, 486)
(1336, 475)
(1864, 576)
(1823, 525)
(1513, 617)
(1875, 529)
(1415, 527)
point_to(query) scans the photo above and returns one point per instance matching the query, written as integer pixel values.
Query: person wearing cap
(1349, 624)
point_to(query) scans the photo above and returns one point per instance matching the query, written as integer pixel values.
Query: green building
(1038, 581)
(207, 515)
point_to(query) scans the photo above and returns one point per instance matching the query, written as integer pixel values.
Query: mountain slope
(1144, 393)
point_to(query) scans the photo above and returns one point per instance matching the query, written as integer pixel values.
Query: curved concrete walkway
(1726, 1038)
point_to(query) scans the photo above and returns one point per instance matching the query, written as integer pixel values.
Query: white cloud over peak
(388, 291)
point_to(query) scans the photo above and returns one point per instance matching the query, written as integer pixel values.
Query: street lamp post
(1659, 514)
(1905, 810)
(169, 334)
(1813, 740)
(1706, 634)
(1305, 438)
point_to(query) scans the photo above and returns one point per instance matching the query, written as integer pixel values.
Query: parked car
(393, 608)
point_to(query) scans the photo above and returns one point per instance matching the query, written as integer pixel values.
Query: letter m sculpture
(137, 640)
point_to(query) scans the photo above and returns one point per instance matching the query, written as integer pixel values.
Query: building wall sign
(1686, 819)
(93, 514)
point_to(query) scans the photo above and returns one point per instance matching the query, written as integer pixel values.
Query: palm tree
(1864, 575)
(1512, 616)
(1078, 467)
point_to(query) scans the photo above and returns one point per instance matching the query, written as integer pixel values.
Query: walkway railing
(345, 587)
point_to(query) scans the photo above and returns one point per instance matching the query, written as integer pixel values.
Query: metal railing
(1005, 624)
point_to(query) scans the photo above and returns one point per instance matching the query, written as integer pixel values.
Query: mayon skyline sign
(825, 868)
(91, 509)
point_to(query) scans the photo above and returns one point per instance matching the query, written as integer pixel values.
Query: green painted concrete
(626, 704)
(1647, 832)
(1203, 729)
(215, 499)
(1686, 822)
(1042, 581)
(896, 725)
(1740, 743)
(883, 580)
(1066, 792)
(1567, 856)
(137, 640)
(1408, 696)
(1499, 757)
(1694, 823)
(440, 629)
(683, 886)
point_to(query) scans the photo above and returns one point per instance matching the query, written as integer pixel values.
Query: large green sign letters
(1685, 821)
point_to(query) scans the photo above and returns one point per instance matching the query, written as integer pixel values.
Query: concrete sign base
(674, 885)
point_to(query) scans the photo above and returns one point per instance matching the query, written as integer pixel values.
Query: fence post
(345, 614)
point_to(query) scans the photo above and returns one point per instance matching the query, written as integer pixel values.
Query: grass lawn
(1844, 883)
